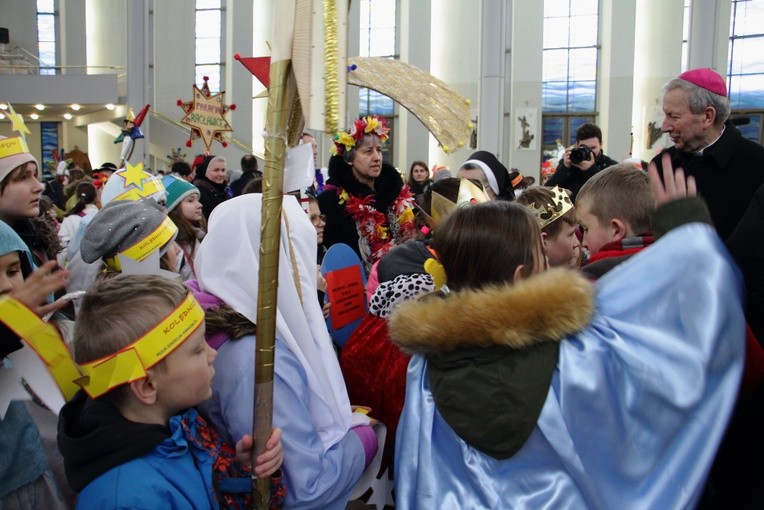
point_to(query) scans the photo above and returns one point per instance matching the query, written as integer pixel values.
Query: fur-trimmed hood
(545, 307)
(387, 186)
(491, 354)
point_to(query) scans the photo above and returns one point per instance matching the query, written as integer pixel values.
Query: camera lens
(579, 154)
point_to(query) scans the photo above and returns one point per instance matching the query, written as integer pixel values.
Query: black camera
(579, 154)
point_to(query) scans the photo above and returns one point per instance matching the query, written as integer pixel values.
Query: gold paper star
(18, 122)
(206, 115)
(132, 175)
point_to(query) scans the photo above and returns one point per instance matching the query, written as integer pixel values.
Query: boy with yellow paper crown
(132, 437)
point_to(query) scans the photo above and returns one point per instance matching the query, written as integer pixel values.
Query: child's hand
(269, 461)
(320, 280)
(38, 286)
(672, 185)
(326, 309)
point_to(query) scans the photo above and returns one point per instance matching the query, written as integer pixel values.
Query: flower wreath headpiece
(346, 140)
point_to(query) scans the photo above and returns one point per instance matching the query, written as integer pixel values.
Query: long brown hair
(484, 244)
(188, 231)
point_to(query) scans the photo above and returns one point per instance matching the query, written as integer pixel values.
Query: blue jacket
(176, 474)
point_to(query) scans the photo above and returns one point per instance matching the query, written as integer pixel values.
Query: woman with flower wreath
(365, 202)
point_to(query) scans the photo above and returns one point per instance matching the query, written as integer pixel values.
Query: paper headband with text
(102, 375)
(139, 251)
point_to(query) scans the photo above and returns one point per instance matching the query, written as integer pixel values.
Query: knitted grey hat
(122, 225)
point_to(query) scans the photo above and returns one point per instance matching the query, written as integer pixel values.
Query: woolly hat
(10, 242)
(132, 183)
(13, 153)
(706, 79)
(135, 229)
(177, 190)
(442, 173)
(495, 172)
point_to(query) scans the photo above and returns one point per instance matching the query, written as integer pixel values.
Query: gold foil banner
(443, 111)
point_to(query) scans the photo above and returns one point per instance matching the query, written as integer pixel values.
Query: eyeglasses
(317, 219)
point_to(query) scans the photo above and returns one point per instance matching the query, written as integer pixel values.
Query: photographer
(581, 161)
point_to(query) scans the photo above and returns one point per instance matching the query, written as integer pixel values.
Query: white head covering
(227, 266)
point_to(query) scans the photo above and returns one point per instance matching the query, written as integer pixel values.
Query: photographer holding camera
(581, 161)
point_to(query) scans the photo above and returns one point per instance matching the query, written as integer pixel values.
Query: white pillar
(491, 98)
(139, 87)
(238, 80)
(527, 43)
(657, 59)
(413, 138)
(454, 42)
(708, 41)
(615, 80)
(72, 37)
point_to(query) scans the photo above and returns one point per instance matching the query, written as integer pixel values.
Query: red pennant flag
(259, 66)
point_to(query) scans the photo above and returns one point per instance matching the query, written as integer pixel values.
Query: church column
(657, 59)
(139, 86)
(524, 92)
(414, 37)
(491, 82)
(708, 41)
(615, 79)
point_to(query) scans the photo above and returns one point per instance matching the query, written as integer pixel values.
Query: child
(556, 217)
(128, 235)
(614, 208)
(132, 438)
(87, 203)
(25, 480)
(328, 446)
(20, 192)
(564, 400)
(185, 211)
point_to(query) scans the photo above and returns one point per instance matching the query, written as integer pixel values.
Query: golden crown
(441, 207)
(547, 214)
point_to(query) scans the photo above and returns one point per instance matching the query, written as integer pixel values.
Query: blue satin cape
(637, 407)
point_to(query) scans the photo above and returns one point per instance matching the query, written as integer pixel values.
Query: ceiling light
(68, 116)
(34, 116)
(3, 106)
(40, 107)
(75, 107)
(110, 106)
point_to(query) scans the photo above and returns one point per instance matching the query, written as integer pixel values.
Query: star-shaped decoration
(24, 366)
(205, 115)
(133, 174)
(17, 122)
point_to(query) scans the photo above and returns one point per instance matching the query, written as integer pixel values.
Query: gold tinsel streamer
(331, 80)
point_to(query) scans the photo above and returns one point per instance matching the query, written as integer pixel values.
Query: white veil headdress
(227, 265)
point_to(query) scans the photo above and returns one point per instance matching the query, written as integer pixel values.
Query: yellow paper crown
(13, 147)
(100, 376)
(546, 215)
(441, 207)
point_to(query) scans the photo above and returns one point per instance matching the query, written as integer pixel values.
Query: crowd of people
(593, 342)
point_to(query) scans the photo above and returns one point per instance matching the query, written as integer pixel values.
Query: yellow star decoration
(18, 122)
(206, 116)
(133, 175)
